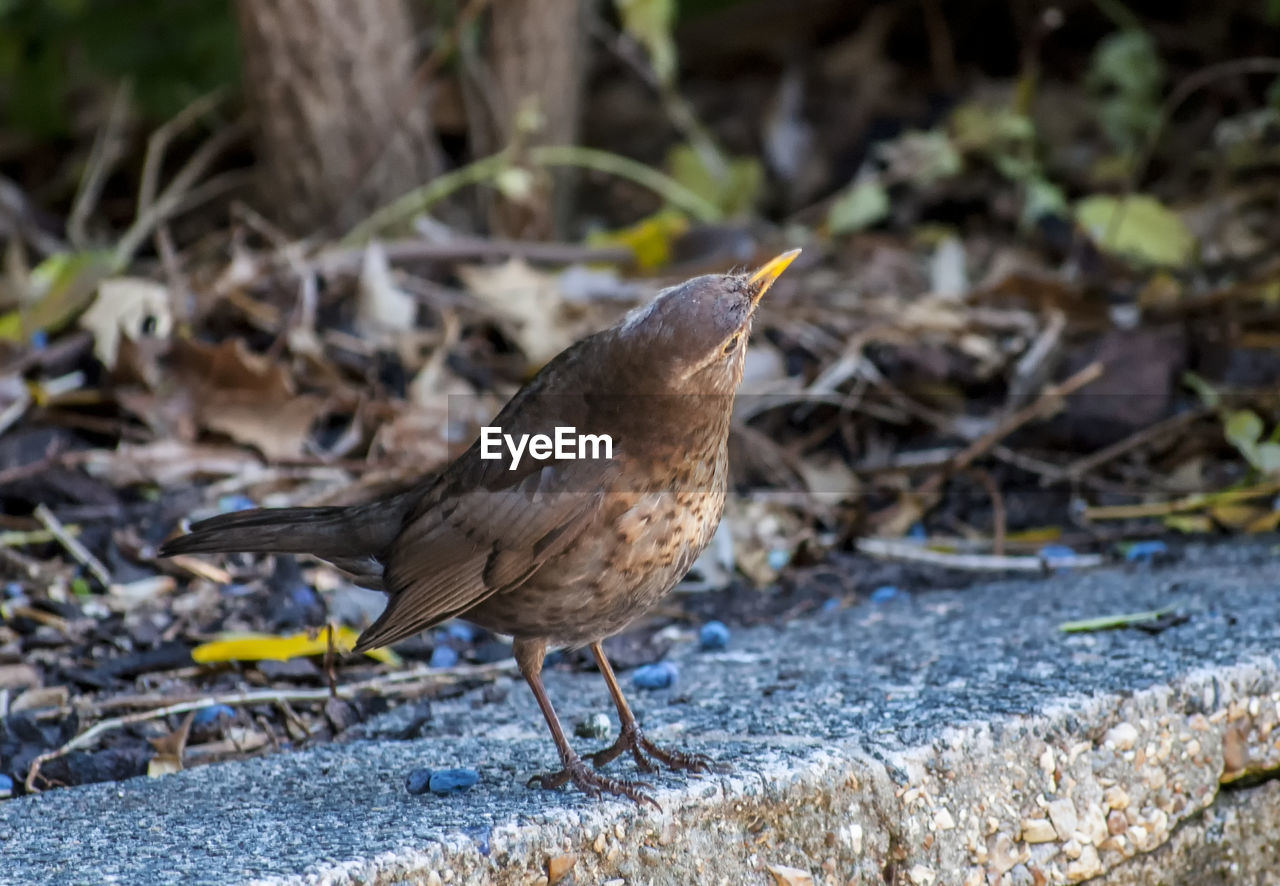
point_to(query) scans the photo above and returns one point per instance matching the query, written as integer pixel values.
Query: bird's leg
(529, 655)
(631, 738)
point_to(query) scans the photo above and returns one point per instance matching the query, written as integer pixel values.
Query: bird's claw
(633, 740)
(593, 784)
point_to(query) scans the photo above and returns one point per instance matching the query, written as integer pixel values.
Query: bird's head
(692, 338)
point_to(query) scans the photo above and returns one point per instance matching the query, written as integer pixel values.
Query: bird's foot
(593, 784)
(632, 739)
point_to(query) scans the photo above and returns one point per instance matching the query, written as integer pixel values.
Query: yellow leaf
(1035, 535)
(276, 647)
(650, 238)
(1137, 227)
(1236, 516)
(1268, 522)
(1189, 523)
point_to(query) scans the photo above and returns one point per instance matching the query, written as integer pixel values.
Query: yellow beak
(763, 277)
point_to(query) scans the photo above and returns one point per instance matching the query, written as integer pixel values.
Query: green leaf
(734, 192)
(1128, 62)
(1127, 75)
(1203, 389)
(58, 289)
(651, 23)
(859, 206)
(1109, 622)
(1267, 458)
(1042, 198)
(1139, 227)
(1243, 429)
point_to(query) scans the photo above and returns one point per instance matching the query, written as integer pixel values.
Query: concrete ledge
(945, 737)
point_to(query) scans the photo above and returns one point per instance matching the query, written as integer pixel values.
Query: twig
(171, 198)
(998, 518)
(421, 199)
(903, 549)
(397, 683)
(1149, 434)
(898, 517)
(1180, 505)
(400, 683)
(1050, 398)
(1183, 91)
(664, 186)
(347, 260)
(103, 155)
(158, 144)
(72, 546)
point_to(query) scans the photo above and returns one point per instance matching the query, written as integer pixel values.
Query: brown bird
(569, 547)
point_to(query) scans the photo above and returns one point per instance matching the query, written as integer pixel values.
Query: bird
(567, 548)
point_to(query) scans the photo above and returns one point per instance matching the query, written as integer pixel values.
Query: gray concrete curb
(945, 737)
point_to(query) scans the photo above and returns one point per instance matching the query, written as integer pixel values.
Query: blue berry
(778, 559)
(1057, 552)
(206, 716)
(418, 781)
(230, 503)
(1146, 551)
(662, 675)
(461, 631)
(884, 593)
(444, 657)
(713, 635)
(6, 787)
(452, 781)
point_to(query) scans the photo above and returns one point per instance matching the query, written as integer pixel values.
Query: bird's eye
(731, 345)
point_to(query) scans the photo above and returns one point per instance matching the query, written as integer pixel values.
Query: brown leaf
(279, 429)
(169, 749)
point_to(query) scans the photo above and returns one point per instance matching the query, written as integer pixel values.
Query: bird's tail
(324, 532)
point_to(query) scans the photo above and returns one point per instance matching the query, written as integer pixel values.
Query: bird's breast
(643, 542)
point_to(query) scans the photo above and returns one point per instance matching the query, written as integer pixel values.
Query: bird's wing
(487, 536)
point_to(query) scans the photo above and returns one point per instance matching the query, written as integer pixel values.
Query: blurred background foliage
(55, 55)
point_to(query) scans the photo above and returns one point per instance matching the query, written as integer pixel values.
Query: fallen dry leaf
(382, 306)
(541, 321)
(130, 307)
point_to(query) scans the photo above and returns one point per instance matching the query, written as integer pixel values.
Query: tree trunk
(537, 48)
(342, 128)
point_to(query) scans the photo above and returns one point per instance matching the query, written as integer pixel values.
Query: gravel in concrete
(937, 738)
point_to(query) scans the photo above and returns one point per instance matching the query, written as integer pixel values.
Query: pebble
(662, 675)
(713, 635)
(778, 559)
(6, 787)
(1038, 830)
(597, 726)
(559, 867)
